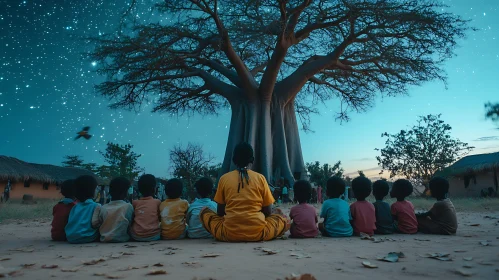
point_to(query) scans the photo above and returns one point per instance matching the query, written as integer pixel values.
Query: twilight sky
(47, 95)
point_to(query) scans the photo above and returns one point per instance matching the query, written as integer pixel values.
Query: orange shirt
(173, 223)
(146, 217)
(244, 219)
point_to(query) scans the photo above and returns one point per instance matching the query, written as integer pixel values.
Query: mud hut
(38, 180)
(473, 176)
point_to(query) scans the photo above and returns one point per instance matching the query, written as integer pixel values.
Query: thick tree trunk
(272, 130)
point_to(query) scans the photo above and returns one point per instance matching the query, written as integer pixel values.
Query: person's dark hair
(380, 189)
(302, 190)
(243, 155)
(118, 188)
(68, 188)
(439, 187)
(401, 189)
(147, 185)
(335, 187)
(85, 187)
(204, 187)
(361, 187)
(173, 188)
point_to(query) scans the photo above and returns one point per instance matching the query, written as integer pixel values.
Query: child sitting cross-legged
(363, 213)
(173, 211)
(441, 219)
(335, 211)
(403, 210)
(116, 216)
(145, 226)
(384, 219)
(61, 211)
(83, 222)
(303, 215)
(195, 229)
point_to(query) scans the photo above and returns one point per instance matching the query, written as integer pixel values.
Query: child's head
(439, 187)
(401, 189)
(84, 187)
(68, 188)
(361, 187)
(335, 187)
(303, 191)
(147, 185)
(380, 189)
(243, 155)
(118, 188)
(204, 187)
(173, 188)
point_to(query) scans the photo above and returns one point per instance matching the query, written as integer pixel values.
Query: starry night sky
(47, 94)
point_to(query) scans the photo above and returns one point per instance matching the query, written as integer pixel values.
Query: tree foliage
(122, 161)
(422, 150)
(319, 174)
(492, 111)
(72, 161)
(190, 163)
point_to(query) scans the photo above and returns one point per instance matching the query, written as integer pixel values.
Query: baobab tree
(272, 61)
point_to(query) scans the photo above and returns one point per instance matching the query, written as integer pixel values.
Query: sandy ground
(474, 250)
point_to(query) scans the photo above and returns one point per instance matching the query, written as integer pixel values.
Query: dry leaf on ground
(392, 257)
(269, 251)
(210, 255)
(28, 265)
(369, 265)
(158, 265)
(439, 256)
(173, 248)
(64, 257)
(50, 266)
(127, 253)
(365, 236)
(485, 263)
(301, 277)
(94, 261)
(23, 249)
(300, 256)
(11, 273)
(468, 258)
(4, 259)
(157, 272)
(474, 225)
(460, 251)
(74, 269)
(129, 246)
(463, 272)
(421, 239)
(116, 256)
(108, 276)
(170, 253)
(484, 243)
(128, 268)
(467, 266)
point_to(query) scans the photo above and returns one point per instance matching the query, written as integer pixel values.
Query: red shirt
(406, 219)
(363, 217)
(61, 214)
(304, 223)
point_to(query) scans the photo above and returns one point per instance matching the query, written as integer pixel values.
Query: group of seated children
(78, 219)
(343, 220)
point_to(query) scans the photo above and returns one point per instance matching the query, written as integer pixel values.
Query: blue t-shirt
(285, 190)
(81, 228)
(195, 229)
(336, 214)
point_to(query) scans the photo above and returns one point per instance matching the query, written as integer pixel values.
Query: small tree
(89, 166)
(104, 172)
(492, 111)
(319, 174)
(72, 161)
(122, 161)
(419, 152)
(190, 164)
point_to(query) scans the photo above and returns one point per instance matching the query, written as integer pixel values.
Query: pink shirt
(146, 217)
(363, 217)
(304, 219)
(406, 219)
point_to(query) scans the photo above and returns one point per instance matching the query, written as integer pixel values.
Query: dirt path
(328, 258)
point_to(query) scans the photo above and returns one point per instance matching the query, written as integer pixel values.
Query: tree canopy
(122, 161)
(492, 111)
(422, 150)
(72, 161)
(273, 60)
(319, 174)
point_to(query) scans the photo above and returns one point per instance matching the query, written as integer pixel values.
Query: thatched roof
(471, 165)
(18, 170)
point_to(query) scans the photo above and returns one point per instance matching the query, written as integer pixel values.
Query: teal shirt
(195, 229)
(336, 214)
(83, 226)
(285, 190)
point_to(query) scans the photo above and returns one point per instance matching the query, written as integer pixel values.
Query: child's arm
(221, 210)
